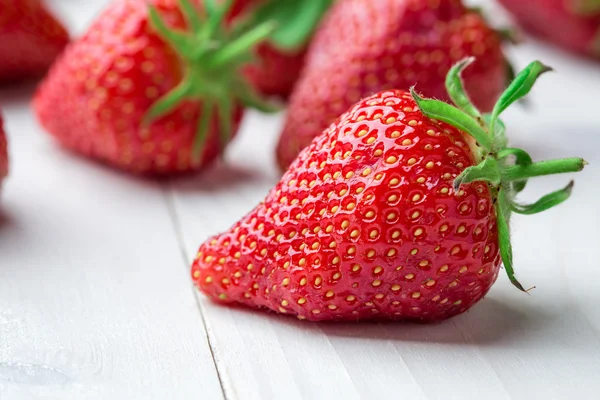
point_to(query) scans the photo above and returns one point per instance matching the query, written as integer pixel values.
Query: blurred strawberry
(571, 24)
(30, 39)
(413, 41)
(282, 57)
(152, 87)
(3, 154)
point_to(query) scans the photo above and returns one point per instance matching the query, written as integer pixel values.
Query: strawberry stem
(545, 203)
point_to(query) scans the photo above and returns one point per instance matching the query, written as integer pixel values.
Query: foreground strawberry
(387, 214)
(153, 87)
(579, 22)
(30, 39)
(414, 41)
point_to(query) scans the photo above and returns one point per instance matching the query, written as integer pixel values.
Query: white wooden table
(96, 300)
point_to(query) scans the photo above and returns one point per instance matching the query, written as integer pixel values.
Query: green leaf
(240, 46)
(519, 88)
(177, 40)
(488, 170)
(522, 158)
(456, 90)
(545, 203)
(586, 7)
(542, 168)
(191, 14)
(250, 98)
(451, 115)
(168, 102)
(225, 113)
(502, 214)
(296, 20)
(202, 130)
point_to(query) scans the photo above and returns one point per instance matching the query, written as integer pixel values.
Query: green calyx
(212, 58)
(585, 7)
(296, 21)
(505, 170)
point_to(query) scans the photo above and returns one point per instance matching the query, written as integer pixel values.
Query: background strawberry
(414, 41)
(283, 55)
(30, 39)
(3, 154)
(149, 98)
(579, 22)
(387, 214)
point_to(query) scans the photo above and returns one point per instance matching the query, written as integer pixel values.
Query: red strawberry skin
(3, 154)
(277, 71)
(30, 39)
(364, 225)
(95, 96)
(414, 41)
(577, 33)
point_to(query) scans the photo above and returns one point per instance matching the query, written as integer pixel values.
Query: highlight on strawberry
(30, 39)
(153, 87)
(351, 58)
(400, 210)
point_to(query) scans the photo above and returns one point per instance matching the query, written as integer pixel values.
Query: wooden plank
(509, 346)
(94, 302)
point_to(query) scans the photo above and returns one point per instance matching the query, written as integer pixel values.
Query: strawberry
(3, 154)
(579, 22)
(413, 41)
(399, 210)
(152, 87)
(30, 39)
(282, 56)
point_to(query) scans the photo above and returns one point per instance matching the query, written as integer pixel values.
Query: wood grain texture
(94, 302)
(510, 346)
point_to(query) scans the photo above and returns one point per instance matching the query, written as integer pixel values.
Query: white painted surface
(92, 311)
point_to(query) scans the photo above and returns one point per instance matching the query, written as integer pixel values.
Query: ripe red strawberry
(413, 41)
(387, 214)
(149, 98)
(3, 154)
(579, 22)
(282, 57)
(30, 39)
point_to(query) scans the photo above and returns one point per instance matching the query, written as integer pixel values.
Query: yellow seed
(391, 216)
(284, 303)
(391, 252)
(416, 197)
(379, 296)
(378, 153)
(410, 276)
(421, 180)
(390, 120)
(461, 229)
(208, 279)
(394, 182)
(430, 283)
(303, 281)
(416, 295)
(455, 250)
(412, 161)
(371, 140)
(302, 262)
(429, 165)
(377, 270)
(362, 133)
(418, 232)
(423, 263)
(376, 283)
(355, 268)
(393, 198)
(406, 142)
(334, 209)
(349, 175)
(335, 261)
(458, 302)
(395, 134)
(414, 251)
(345, 224)
(301, 300)
(412, 123)
(354, 233)
(285, 282)
(444, 268)
(391, 159)
(444, 190)
(373, 234)
(337, 276)
(396, 235)
(330, 294)
(443, 228)
(350, 298)
(250, 266)
(223, 296)
(463, 269)
(396, 287)
(350, 206)
(370, 214)
(453, 284)
(332, 306)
